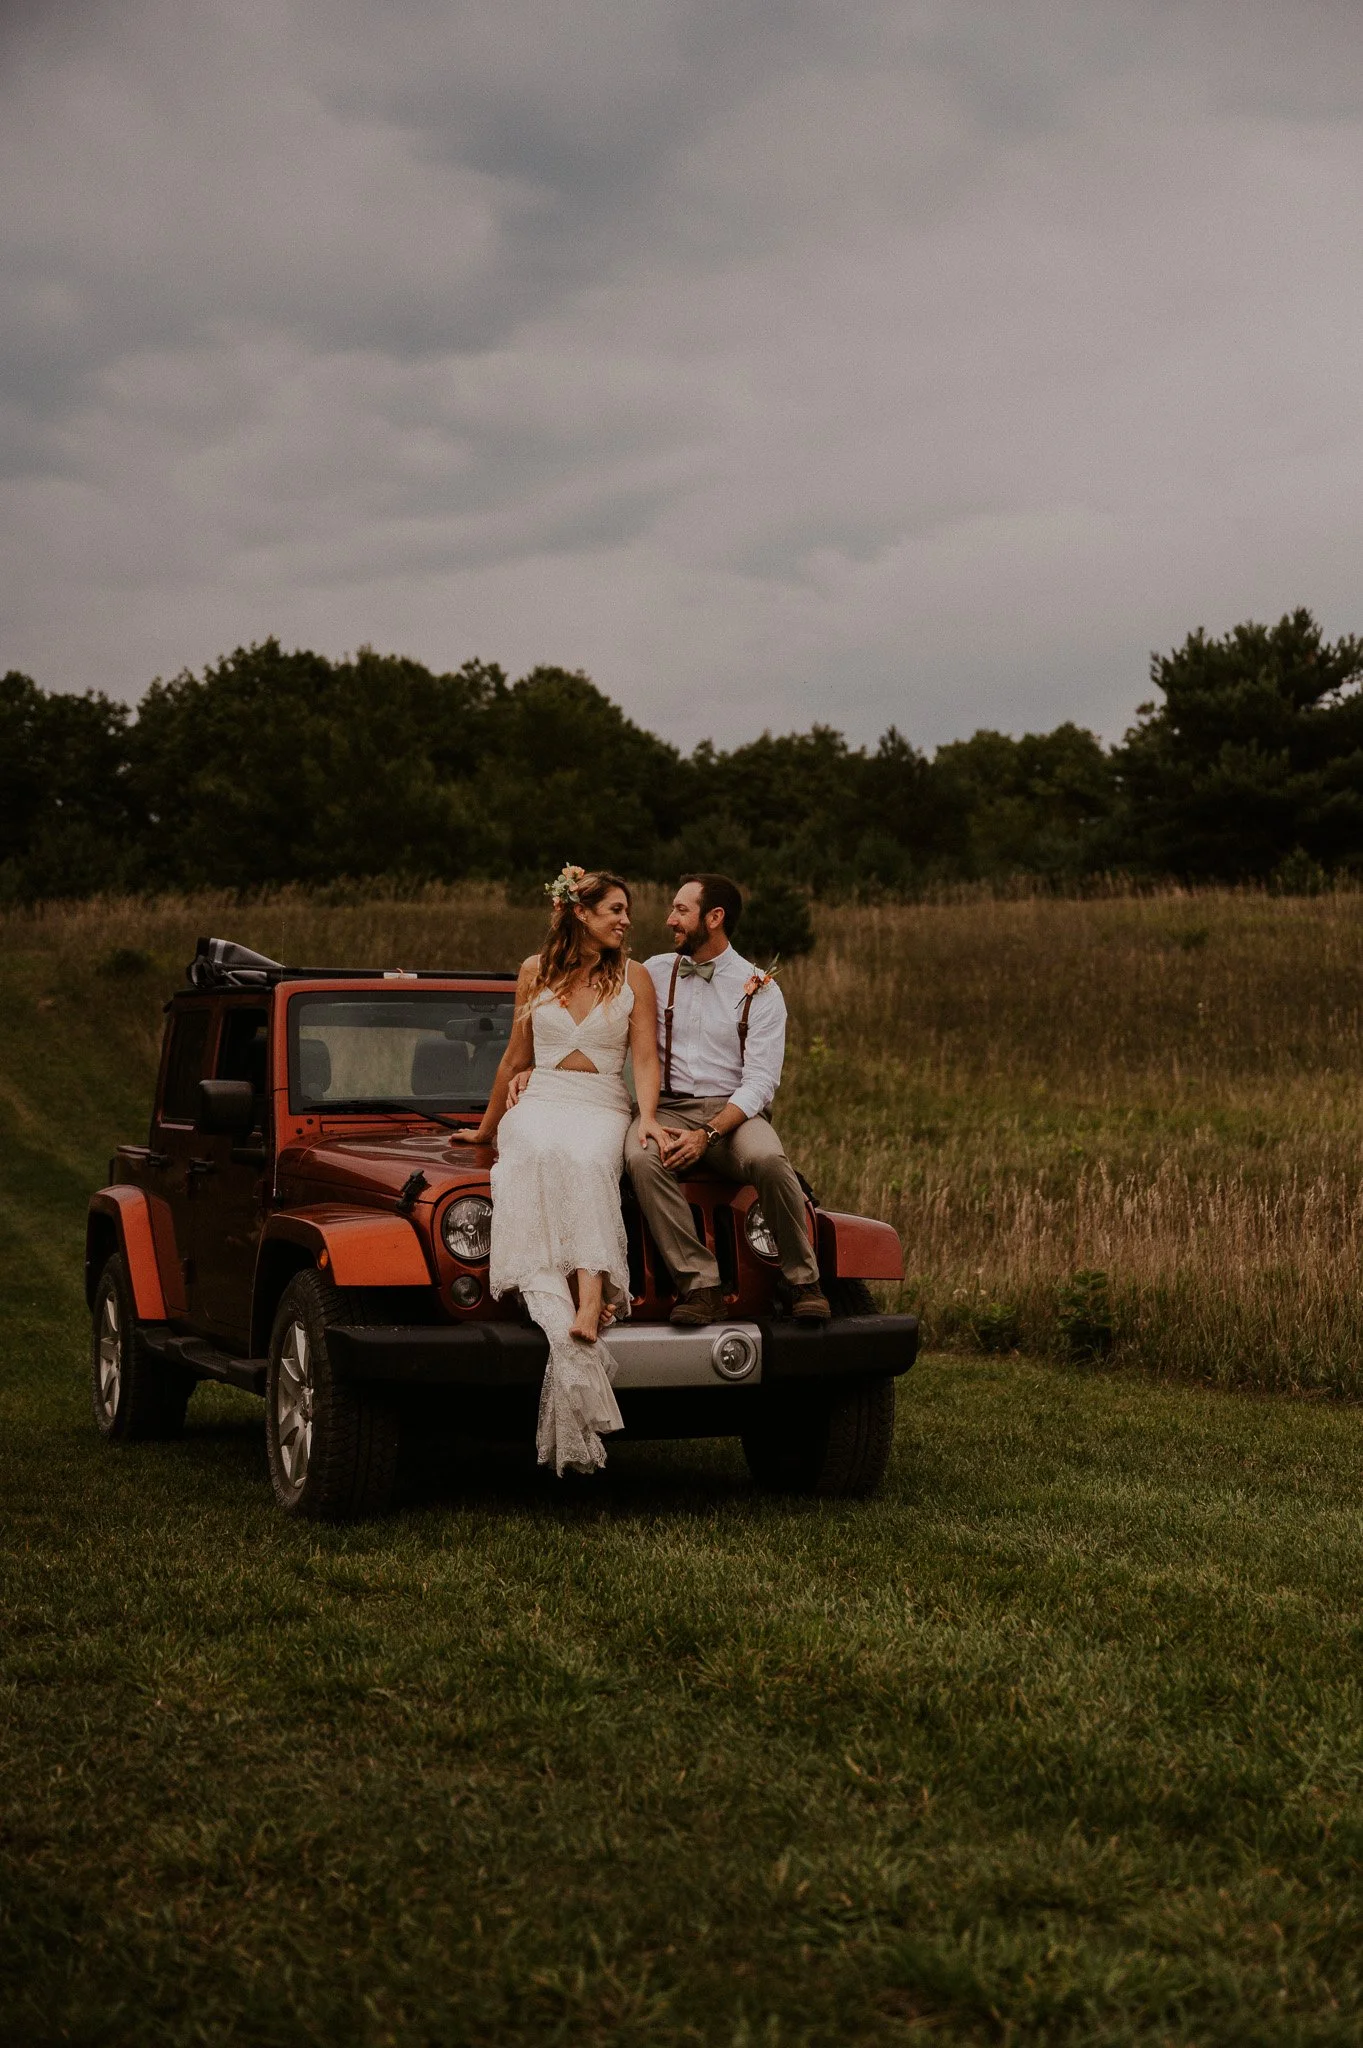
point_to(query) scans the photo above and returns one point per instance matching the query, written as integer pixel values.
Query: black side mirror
(227, 1109)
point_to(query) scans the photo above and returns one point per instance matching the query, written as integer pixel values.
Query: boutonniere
(758, 980)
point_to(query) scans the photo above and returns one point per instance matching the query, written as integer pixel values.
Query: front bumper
(645, 1356)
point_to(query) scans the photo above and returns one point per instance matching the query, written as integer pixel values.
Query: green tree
(275, 767)
(69, 824)
(1256, 750)
(913, 823)
(1042, 804)
(805, 807)
(566, 776)
(776, 923)
(780, 806)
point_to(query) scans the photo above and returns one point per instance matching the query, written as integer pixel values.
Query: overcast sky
(772, 360)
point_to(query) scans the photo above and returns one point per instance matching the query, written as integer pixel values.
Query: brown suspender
(667, 1026)
(743, 1027)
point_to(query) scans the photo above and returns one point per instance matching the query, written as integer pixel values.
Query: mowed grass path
(1059, 1740)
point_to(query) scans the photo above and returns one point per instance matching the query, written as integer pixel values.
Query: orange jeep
(299, 1224)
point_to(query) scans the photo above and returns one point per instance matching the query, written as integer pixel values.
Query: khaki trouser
(752, 1153)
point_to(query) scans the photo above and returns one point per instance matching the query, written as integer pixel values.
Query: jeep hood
(374, 1165)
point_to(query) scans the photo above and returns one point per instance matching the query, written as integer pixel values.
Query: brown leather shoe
(701, 1305)
(809, 1304)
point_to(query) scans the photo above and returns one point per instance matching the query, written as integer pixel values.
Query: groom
(721, 1042)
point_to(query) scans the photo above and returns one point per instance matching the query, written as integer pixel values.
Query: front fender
(858, 1248)
(126, 1212)
(358, 1247)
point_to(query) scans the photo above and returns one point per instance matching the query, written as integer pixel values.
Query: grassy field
(1058, 1741)
(1133, 1125)
(1128, 1127)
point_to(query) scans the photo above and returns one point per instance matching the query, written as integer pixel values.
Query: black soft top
(222, 964)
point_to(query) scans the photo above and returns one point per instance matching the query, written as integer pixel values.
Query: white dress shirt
(705, 1055)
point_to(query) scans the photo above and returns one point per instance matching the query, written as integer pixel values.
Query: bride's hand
(649, 1127)
(517, 1086)
(468, 1138)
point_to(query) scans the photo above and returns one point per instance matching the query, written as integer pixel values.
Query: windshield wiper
(381, 1105)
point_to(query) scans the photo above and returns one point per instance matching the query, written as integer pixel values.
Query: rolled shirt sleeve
(764, 1053)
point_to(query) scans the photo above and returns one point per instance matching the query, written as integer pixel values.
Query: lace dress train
(556, 1209)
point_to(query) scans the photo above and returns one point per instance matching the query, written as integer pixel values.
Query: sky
(771, 360)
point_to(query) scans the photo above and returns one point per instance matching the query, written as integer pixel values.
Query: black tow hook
(414, 1185)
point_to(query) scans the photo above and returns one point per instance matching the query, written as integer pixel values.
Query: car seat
(487, 1057)
(440, 1066)
(314, 1069)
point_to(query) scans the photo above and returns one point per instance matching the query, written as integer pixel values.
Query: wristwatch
(711, 1136)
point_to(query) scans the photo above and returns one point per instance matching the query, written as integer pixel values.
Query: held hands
(676, 1149)
(682, 1149)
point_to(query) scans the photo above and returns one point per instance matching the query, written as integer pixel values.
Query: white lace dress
(556, 1207)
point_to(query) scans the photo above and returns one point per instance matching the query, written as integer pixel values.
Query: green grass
(1060, 1740)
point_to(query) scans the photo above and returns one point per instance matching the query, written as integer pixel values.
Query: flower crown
(564, 887)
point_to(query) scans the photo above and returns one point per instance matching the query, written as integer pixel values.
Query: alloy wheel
(293, 1405)
(110, 1358)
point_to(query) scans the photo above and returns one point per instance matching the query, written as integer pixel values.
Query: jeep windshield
(416, 1050)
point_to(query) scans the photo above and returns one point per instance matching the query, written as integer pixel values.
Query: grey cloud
(918, 362)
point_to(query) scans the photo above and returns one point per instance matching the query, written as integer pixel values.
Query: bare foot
(586, 1326)
(608, 1315)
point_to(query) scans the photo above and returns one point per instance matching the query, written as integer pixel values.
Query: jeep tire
(136, 1396)
(831, 1440)
(333, 1449)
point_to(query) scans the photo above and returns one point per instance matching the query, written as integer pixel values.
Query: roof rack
(223, 964)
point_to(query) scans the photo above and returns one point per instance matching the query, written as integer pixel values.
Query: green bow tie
(704, 968)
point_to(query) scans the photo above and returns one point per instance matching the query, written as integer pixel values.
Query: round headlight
(467, 1228)
(758, 1232)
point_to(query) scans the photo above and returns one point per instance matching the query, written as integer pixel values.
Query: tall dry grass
(1124, 1126)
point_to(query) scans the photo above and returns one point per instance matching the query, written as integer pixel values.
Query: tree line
(273, 767)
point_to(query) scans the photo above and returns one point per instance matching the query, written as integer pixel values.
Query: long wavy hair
(561, 955)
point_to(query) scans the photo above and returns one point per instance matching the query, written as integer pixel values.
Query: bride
(557, 1230)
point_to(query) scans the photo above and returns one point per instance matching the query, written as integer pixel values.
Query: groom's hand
(686, 1148)
(517, 1086)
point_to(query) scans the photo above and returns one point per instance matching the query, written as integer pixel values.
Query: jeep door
(233, 1189)
(174, 1167)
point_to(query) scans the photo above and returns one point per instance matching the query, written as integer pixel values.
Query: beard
(687, 942)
